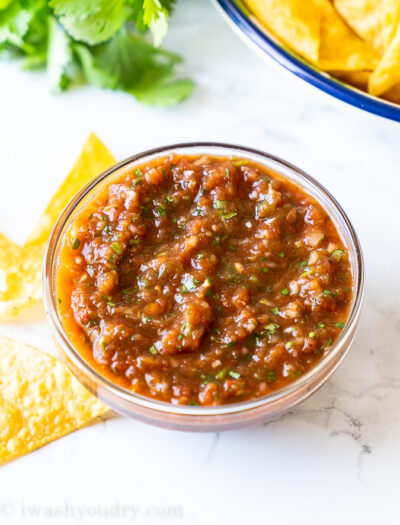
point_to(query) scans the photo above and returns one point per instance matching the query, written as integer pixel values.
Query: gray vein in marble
(213, 448)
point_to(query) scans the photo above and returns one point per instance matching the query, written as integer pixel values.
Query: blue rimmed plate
(247, 26)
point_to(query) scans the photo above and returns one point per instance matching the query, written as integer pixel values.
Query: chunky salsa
(203, 280)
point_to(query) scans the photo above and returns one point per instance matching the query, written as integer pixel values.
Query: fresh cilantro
(143, 70)
(101, 41)
(338, 255)
(117, 248)
(92, 21)
(271, 328)
(228, 216)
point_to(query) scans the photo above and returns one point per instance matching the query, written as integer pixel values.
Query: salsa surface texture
(203, 280)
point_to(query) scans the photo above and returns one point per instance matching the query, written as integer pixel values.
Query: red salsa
(203, 280)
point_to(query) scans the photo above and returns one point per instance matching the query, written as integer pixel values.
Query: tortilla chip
(365, 17)
(316, 31)
(40, 400)
(295, 22)
(393, 95)
(358, 79)
(391, 19)
(340, 48)
(387, 74)
(93, 160)
(20, 277)
(20, 267)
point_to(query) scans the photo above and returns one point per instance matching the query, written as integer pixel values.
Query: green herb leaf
(117, 248)
(221, 374)
(91, 21)
(99, 40)
(228, 216)
(76, 244)
(271, 328)
(15, 20)
(60, 57)
(155, 16)
(130, 63)
(338, 255)
(233, 374)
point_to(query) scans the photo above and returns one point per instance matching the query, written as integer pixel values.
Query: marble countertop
(334, 459)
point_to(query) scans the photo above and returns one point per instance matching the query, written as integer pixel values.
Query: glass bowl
(269, 47)
(203, 418)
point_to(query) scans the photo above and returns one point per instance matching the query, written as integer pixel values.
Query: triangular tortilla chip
(387, 74)
(340, 48)
(295, 22)
(20, 267)
(93, 160)
(393, 95)
(391, 19)
(359, 79)
(40, 400)
(20, 277)
(365, 17)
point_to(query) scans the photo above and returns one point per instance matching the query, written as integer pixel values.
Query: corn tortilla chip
(296, 22)
(393, 95)
(365, 17)
(20, 266)
(391, 19)
(358, 79)
(340, 48)
(387, 74)
(40, 400)
(20, 277)
(346, 38)
(94, 159)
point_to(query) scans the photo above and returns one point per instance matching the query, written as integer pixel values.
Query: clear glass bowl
(200, 418)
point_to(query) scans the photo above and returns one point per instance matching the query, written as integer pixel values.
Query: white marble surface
(336, 458)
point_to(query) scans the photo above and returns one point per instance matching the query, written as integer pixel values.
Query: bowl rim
(304, 70)
(92, 376)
